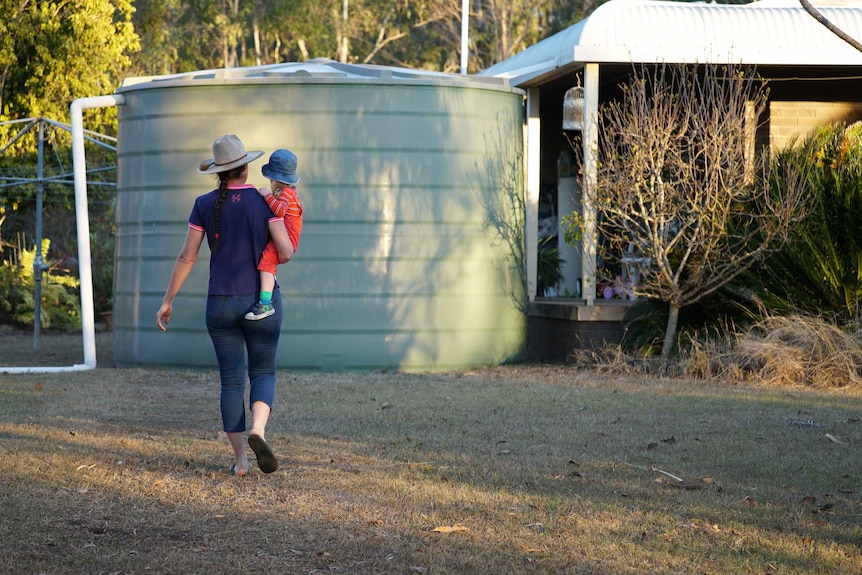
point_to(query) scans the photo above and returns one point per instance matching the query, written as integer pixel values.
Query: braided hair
(223, 178)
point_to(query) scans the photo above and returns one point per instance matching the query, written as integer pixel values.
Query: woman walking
(237, 224)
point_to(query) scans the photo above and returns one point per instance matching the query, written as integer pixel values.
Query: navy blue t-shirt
(243, 234)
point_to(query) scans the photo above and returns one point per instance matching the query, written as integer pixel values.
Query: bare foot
(239, 469)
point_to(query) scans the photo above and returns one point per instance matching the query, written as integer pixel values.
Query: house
(814, 77)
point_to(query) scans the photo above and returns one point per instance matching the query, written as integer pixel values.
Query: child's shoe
(260, 311)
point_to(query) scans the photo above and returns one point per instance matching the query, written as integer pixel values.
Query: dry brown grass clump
(794, 350)
(801, 350)
(608, 358)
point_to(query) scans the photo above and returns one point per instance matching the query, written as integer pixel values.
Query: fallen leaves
(451, 528)
(710, 527)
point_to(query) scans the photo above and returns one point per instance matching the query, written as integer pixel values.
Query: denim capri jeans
(233, 337)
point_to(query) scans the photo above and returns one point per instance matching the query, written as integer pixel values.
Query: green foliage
(54, 52)
(820, 268)
(181, 36)
(60, 307)
(19, 202)
(102, 233)
(573, 228)
(549, 265)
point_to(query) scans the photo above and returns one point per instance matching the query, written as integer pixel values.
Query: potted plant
(549, 268)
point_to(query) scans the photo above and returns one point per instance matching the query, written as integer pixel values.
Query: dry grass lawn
(520, 469)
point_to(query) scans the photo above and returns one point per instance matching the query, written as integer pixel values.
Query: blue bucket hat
(281, 167)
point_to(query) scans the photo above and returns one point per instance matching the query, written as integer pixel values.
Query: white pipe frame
(88, 325)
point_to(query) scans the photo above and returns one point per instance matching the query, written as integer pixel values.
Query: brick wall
(556, 328)
(551, 339)
(789, 119)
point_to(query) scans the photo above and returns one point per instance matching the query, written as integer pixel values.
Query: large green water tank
(412, 253)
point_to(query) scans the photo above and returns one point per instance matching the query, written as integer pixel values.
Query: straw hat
(228, 153)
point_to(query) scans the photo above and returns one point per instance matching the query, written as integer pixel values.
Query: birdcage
(573, 109)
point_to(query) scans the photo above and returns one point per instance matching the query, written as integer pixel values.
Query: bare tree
(686, 203)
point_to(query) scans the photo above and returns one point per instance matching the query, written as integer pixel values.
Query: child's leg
(267, 284)
(267, 268)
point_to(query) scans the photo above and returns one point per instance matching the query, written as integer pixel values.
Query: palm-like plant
(820, 269)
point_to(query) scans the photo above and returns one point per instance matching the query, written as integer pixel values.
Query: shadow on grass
(21, 348)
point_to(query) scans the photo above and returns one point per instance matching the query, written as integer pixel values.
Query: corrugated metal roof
(318, 70)
(769, 32)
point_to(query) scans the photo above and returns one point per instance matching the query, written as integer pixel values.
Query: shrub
(549, 266)
(102, 256)
(819, 270)
(60, 307)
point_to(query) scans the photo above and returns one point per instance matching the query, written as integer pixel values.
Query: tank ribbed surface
(413, 200)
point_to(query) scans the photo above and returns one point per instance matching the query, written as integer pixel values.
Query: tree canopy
(54, 52)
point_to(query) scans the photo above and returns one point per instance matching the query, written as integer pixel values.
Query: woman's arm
(282, 241)
(182, 268)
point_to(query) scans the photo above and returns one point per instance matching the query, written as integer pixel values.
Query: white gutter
(85, 266)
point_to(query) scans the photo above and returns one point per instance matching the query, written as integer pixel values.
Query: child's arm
(282, 242)
(277, 207)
